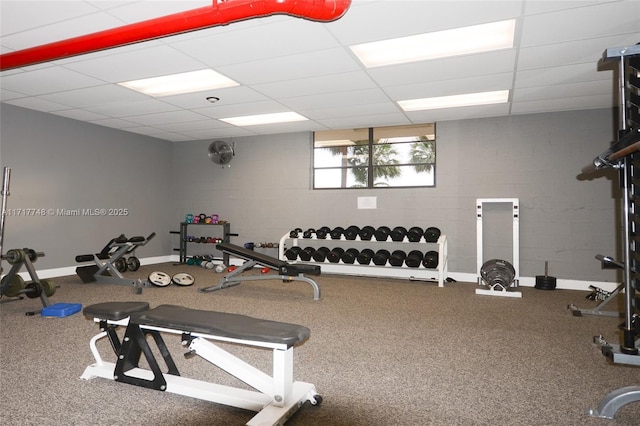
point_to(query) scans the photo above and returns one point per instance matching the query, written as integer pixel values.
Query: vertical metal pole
(628, 345)
(5, 193)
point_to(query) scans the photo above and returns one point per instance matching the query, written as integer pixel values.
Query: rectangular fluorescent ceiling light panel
(470, 99)
(439, 44)
(254, 120)
(176, 84)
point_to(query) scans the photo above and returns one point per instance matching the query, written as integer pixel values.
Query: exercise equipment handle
(627, 145)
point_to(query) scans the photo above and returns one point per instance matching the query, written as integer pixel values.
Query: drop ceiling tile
(352, 98)
(136, 64)
(380, 120)
(165, 117)
(228, 132)
(600, 20)
(6, 95)
(386, 19)
(573, 52)
(115, 123)
(228, 96)
(337, 111)
(91, 96)
(471, 84)
(329, 61)
(18, 16)
(138, 11)
(563, 104)
(445, 69)
(80, 114)
(249, 108)
(37, 103)
(342, 82)
(263, 42)
(561, 75)
(431, 116)
(47, 80)
(560, 91)
(57, 31)
(187, 126)
(124, 109)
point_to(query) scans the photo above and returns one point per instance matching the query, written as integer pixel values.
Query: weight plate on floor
(159, 279)
(183, 278)
(13, 286)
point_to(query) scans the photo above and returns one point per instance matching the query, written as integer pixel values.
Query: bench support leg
(277, 396)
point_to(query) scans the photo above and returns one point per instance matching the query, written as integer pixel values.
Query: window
(379, 157)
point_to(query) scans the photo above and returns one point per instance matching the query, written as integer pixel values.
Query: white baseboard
(561, 284)
(71, 270)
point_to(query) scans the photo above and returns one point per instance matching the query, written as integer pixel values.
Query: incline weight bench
(105, 269)
(276, 397)
(286, 271)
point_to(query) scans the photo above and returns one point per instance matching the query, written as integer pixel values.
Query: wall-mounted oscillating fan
(220, 152)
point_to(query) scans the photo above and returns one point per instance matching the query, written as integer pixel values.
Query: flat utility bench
(276, 397)
(286, 271)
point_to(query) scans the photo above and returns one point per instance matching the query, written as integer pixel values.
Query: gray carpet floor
(381, 352)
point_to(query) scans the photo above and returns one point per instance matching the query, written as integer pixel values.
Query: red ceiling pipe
(221, 12)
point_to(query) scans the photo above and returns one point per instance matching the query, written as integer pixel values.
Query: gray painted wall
(536, 158)
(58, 163)
(61, 163)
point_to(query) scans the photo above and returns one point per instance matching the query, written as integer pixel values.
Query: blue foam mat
(61, 310)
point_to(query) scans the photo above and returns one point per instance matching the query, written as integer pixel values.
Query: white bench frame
(276, 397)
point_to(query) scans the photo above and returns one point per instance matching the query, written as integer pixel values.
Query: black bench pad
(284, 268)
(222, 324)
(114, 311)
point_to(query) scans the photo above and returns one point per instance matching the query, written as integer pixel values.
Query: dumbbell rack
(226, 234)
(438, 274)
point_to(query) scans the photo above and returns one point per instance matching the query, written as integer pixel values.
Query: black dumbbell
(322, 232)
(431, 234)
(414, 259)
(397, 258)
(306, 253)
(398, 233)
(336, 232)
(308, 233)
(295, 233)
(365, 256)
(381, 257)
(351, 232)
(292, 253)
(366, 233)
(334, 255)
(320, 255)
(430, 259)
(349, 256)
(382, 233)
(414, 234)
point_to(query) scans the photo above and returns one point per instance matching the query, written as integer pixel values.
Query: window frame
(370, 166)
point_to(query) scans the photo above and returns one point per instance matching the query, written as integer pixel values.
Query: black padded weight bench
(276, 397)
(286, 271)
(104, 269)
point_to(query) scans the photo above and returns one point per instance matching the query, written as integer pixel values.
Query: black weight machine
(624, 155)
(110, 262)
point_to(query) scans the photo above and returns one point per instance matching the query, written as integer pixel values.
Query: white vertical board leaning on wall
(515, 208)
